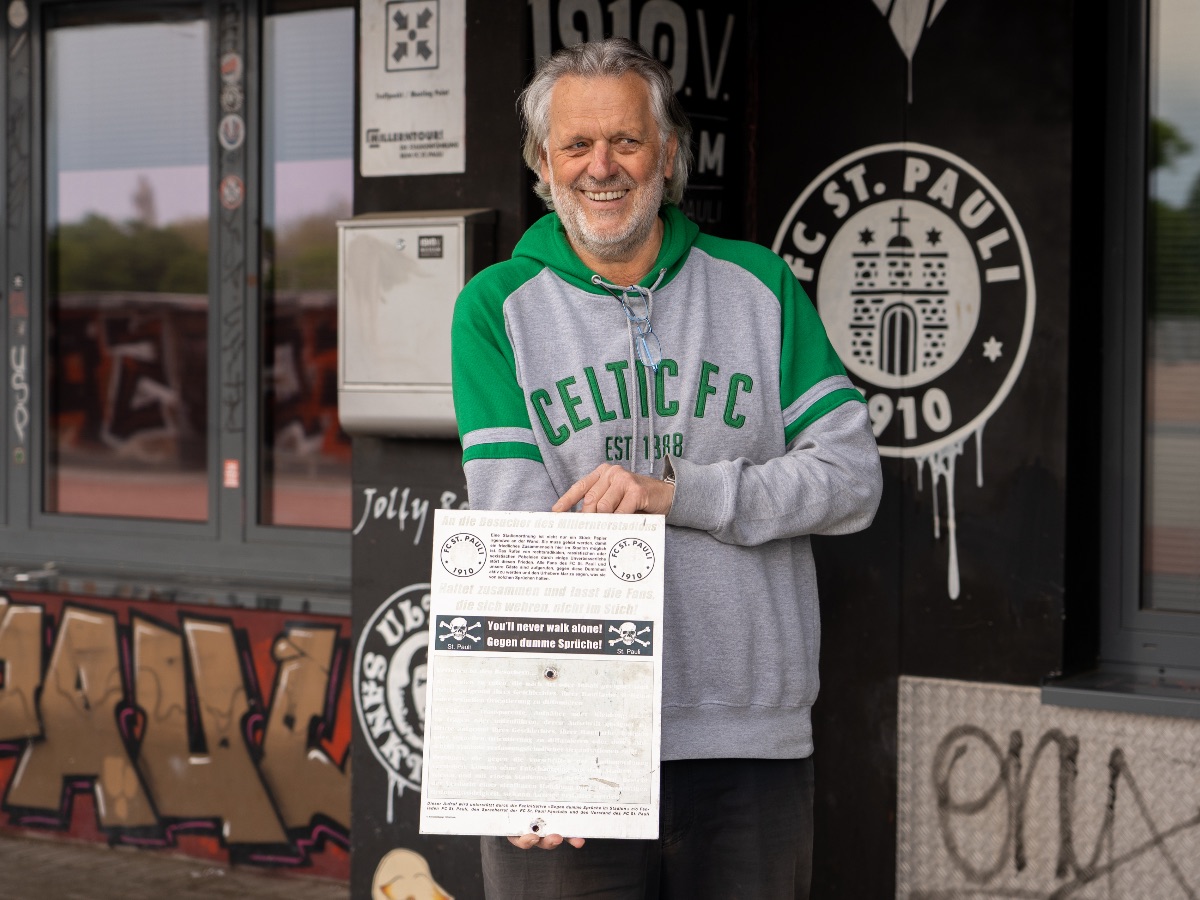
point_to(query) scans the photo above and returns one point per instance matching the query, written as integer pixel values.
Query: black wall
(397, 485)
(991, 85)
(808, 84)
(385, 557)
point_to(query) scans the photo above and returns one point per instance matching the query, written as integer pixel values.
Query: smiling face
(606, 164)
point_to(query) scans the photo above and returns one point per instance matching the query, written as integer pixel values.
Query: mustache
(616, 183)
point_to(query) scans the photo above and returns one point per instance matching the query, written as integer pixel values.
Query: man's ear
(671, 149)
(544, 165)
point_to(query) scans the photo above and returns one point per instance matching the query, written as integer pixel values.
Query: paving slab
(44, 869)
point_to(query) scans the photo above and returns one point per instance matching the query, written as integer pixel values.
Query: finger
(633, 500)
(625, 494)
(576, 492)
(575, 842)
(525, 841)
(550, 841)
(602, 482)
(608, 491)
(603, 498)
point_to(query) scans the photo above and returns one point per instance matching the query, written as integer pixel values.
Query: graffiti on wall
(126, 376)
(390, 666)
(405, 873)
(18, 382)
(232, 264)
(923, 279)
(392, 648)
(392, 541)
(1003, 797)
(402, 508)
(166, 726)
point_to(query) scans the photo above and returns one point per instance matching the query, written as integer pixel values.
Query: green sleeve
(807, 361)
(489, 403)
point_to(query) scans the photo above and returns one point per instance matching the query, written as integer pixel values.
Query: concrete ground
(43, 869)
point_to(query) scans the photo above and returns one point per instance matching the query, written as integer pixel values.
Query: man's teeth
(605, 195)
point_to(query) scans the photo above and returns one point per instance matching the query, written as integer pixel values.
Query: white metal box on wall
(398, 277)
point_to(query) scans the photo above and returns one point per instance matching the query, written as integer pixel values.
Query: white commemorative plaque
(543, 702)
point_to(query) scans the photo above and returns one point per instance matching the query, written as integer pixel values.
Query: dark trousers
(730, 829)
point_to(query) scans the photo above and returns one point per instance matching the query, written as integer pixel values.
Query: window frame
(1130, 635)
(231, 555)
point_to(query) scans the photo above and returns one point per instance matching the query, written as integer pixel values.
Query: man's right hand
(612, 489)
(545, 841)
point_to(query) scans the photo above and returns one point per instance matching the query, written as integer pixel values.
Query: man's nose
(601, 165)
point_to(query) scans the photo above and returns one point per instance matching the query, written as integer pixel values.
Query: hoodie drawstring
(645, 345)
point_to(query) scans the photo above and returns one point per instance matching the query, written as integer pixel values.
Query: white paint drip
(395, 789)
(979, 454)
(909, 19)
(942, 465)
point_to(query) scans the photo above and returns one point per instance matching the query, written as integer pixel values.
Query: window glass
(308, 182)
(1171, 515)
(127, 218)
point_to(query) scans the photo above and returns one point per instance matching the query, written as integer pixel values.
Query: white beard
(610, 245)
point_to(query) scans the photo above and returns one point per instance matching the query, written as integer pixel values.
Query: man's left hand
(611, 489)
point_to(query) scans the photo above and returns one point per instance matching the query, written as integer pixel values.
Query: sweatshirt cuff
(699, 495)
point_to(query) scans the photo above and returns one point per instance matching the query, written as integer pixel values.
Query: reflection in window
(308, 180)
(127, 262)
(1172, 413)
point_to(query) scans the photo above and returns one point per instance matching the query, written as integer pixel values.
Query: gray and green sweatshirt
(749, 405)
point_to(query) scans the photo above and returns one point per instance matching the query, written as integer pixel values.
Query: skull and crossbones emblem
(628, 634)
(459, 630)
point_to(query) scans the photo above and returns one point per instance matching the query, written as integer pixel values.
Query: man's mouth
(605, 195)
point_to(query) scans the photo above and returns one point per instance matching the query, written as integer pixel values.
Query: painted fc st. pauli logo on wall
(922, 276)
(390, 671)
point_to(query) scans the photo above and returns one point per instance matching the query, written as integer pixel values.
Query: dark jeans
(729, 829)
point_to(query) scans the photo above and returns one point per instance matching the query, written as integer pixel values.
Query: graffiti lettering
(20, 670)
(400, 505)
(233, 384)
(219, 778)
(81, 700)
(992, 821)
(293, 751)
(166, 727)
(20, 387)
(232, 259)
(145, 412)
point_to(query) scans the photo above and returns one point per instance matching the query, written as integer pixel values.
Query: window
(308, 183)
(1171, 506)
(1151, 437)
(182, 419)
(127, 232)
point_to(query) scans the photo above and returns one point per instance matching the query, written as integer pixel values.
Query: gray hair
(609, 58)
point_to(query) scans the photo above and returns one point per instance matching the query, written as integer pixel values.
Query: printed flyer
(543, 703)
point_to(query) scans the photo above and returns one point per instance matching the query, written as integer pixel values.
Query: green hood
(546, 242)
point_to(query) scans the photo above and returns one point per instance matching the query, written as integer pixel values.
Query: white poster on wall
(543, 697)
(413, 87)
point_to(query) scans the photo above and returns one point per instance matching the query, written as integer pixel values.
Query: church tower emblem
(922, 276)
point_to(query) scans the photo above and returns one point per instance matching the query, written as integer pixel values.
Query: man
(623, 362)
